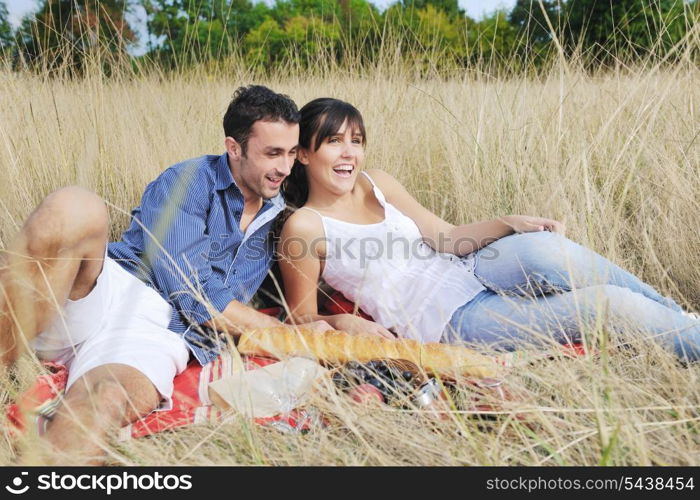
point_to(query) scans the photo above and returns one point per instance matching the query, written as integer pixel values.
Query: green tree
(530, 20)
(6, 38)
(625, 28)
(301, 41)
(327, 10)
(362, 27)
(434, 29)
(185, 31)
(264, 43)
(493, 40)
(359, 16)
(449, 7)
(355, 16)
(63, 33)
(190, 30)
(534, 21)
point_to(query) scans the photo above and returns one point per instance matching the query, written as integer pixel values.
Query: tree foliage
(6, 37)
(626, 27)
(215, 29)
(200, 29)
(63, 33)
(534, 19)
(304, 32)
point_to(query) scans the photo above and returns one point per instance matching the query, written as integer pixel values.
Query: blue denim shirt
(185, 241)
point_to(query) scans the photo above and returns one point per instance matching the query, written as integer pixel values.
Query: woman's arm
(300, 265)
(448, 238)
(301, 248)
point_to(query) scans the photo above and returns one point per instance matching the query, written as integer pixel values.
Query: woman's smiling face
(336, 162)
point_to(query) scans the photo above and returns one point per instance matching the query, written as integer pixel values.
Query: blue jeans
(542, 287)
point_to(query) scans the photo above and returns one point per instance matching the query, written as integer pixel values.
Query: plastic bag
(269, 390)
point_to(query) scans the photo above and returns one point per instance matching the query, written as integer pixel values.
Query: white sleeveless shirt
(393, 275)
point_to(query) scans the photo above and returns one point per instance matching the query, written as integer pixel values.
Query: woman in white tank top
(507, 281)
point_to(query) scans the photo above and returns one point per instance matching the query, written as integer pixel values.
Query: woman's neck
(328, 201)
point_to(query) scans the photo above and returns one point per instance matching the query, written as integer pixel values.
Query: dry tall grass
(616, 155)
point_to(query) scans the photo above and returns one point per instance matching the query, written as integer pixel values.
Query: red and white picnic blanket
(191, 402)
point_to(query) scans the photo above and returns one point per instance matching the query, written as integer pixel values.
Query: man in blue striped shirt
(125, 317)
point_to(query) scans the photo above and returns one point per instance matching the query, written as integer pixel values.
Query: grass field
(615, 154)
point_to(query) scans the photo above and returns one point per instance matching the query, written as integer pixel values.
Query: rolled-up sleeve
(173, 216)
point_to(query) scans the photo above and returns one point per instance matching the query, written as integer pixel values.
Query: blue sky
(474, 8)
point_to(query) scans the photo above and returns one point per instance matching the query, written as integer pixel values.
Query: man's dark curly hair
(253, 103)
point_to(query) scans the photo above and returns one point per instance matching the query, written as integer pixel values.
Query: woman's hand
(355, 325)
(317, 326)
(528, 224)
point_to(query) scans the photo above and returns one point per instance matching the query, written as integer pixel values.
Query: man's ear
(234, 150)
(303, 156)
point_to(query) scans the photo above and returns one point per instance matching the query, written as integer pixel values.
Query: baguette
(335, 347)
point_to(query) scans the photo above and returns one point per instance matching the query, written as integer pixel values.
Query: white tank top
(393, 275)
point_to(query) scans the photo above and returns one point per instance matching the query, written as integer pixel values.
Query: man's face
(270, 154)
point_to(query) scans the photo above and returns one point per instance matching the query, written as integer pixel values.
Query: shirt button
(235, 271)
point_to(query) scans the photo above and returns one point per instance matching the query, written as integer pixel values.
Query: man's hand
(355, 325)
(528, 224)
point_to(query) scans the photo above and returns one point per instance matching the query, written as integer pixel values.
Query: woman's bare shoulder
(382, 178)
(303, 223)
(378, 175)
(386, 182)
(301, 229)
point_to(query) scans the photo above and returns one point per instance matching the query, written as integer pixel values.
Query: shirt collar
(224, 180)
